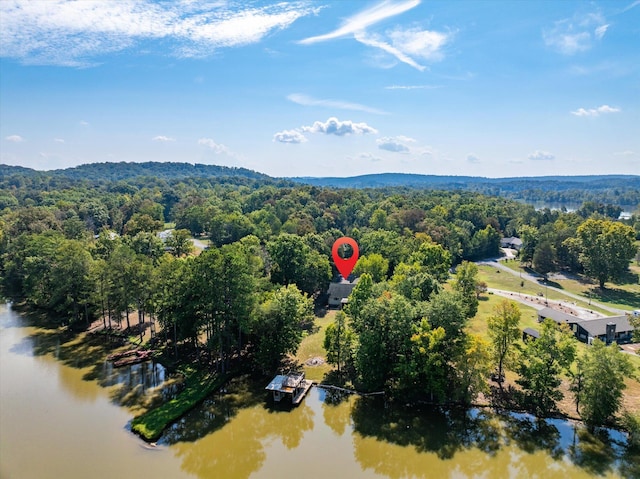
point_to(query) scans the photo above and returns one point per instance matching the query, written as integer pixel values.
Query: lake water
(64, 414)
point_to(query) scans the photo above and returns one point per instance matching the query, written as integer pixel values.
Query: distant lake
(627, 210)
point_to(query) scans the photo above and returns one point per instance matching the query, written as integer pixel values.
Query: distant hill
(623, 190)
(421, 181)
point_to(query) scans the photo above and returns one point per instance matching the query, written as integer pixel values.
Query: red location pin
(345, 265)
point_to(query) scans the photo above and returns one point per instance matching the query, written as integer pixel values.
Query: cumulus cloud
(570, 36)
(333, 126)
(14, 138)
(473, 159)
(71, 33)
(539, 155)
(595, 111)
(217, 148)
(289, 136)
(306, 100)
(396, 144)
(403, 44)
(163, 139)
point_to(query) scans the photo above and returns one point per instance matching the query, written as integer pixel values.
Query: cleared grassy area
(508, 282)
(198, 386)
(623, 295)
(311, 347)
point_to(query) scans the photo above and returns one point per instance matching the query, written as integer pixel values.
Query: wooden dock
(302, 391)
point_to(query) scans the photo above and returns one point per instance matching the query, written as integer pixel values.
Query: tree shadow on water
(428, 429)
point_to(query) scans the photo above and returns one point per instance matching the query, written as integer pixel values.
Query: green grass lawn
(311, 347)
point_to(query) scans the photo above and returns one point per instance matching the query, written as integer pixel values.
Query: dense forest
(615, 190)
(118, 248)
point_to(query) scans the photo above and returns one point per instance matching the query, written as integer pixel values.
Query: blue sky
(324, 88)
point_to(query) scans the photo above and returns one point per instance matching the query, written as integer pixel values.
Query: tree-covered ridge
(618, 190)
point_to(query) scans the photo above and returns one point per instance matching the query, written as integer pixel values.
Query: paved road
(535, 279)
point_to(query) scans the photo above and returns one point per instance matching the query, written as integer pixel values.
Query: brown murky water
(61, 416)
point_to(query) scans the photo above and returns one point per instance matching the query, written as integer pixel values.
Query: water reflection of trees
(446, 432)
(210, 449)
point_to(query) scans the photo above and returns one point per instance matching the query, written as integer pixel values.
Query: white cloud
(600, 31)
(403, 44)
(389, 145)
(58, 140)
(377, 41)
(289, 136)
(217, 148)
(72, 33)
(369, 157)
(333, 126)
(473, 158)
(306, 100)
(570, 36)
(419, 43)
(84, 123)
(163, 139)
(595, 111)
(541, 156)
(14, 138)
(364, 19)
(396, 144)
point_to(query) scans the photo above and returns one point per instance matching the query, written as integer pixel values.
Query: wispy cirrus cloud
(289, 136)
(306, 100)
(333, 126)
(577, 34)
(539, 155)
(14, 138)
(77, 32)
(364, 19)
(593, 112)
(58, 140)
(405, 44)
(163, 139)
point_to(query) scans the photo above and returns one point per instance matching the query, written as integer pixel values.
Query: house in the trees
(513, 243)
(339, 292)
(608, 330)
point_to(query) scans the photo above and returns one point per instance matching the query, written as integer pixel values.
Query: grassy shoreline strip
(150, 425)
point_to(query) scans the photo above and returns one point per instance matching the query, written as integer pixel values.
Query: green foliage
(541, 363)
(606, 248)
(599, 382)
(466, 283)
(503, 332)
(373, 264)
(294, 262)
(384, 333)
(339, 342)
(277, 326)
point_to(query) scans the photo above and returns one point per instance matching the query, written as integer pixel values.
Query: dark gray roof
(558, 316)
(532, 332)
(598, 327)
